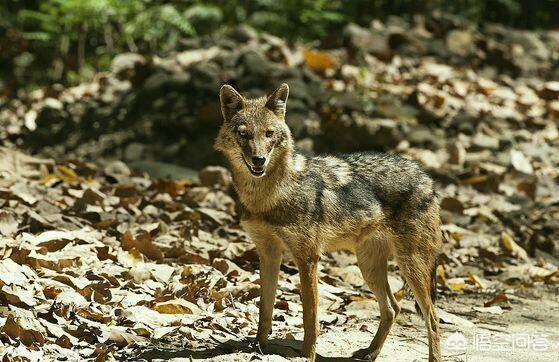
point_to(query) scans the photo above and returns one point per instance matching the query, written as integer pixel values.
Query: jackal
(380, 206)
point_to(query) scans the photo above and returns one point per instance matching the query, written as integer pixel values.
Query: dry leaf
(318, 61)
(177, 306)
(511, 247)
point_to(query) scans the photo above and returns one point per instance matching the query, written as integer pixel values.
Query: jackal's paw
(309, 351)
(258, 347)
(262, 338)
(366, 354)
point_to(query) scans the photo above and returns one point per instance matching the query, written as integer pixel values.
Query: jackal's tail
(433, 287)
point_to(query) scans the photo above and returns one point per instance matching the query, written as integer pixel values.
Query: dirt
(535, 315)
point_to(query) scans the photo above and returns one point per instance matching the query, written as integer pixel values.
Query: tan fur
(296, 208)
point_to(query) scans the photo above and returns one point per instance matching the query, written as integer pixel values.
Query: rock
(161, 82)
(190, 57)
(421, 135)
(553, 108)
(53, 103)
(134, 151)
(405, 43)
(305, 146)
(350, 101)
(389, 106)
(118, 170)
(296, 123)
(385, 133)
(205, 76)
(244, 33)
(215, 175)
(364, 40)
(165, 170)
(460, 42)
(484, 141)
(530, 42)
(126, 61)
(256, 64)
(168, 64)
(359, 133)
(370, 103)
(550, 90)
(304, 90)
(437, 47)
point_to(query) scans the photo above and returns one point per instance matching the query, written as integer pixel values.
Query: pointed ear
(277, 101)
(231, 102)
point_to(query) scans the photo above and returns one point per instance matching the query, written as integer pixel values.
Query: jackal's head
(254, 135)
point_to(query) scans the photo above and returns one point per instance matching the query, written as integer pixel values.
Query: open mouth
(256, 171)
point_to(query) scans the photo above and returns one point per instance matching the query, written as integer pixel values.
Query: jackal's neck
(262, 194)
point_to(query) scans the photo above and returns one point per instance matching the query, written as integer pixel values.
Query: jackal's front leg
(270, 260)
(309, 294)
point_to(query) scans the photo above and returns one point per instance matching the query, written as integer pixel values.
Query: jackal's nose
(258, 160)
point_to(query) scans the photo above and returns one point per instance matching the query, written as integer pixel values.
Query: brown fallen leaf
(177, 306)
(64, 342)
(17, 328)
(498, 299)
(143, 243)
(99, 292)
(318, 61)
(510, 247)
(457, 284)
(476, 280)
(441, 275)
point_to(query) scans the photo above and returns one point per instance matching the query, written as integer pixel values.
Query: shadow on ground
(284, 348)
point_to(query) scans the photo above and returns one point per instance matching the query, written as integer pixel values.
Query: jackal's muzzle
(257, 166)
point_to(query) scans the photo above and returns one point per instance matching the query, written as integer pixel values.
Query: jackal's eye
(243, 133)
(269, 133)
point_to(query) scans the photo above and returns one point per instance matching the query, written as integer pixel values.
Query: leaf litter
(139, 263)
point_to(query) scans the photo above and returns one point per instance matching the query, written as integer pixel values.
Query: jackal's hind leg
(417, 269)
(309, 293)
(372, 260)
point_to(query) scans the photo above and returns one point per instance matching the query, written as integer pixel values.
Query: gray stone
(460, 42)
(165, 170)
(215, 175)
(118, 170)
(134, 151)
(484, 141)
(367, 41)
(244, 33)
(126, 61)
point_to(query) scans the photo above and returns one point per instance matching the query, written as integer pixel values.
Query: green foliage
(65, 40)
(294, 19)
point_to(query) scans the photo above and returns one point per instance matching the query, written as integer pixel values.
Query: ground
(103, 263)
(535, 314)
